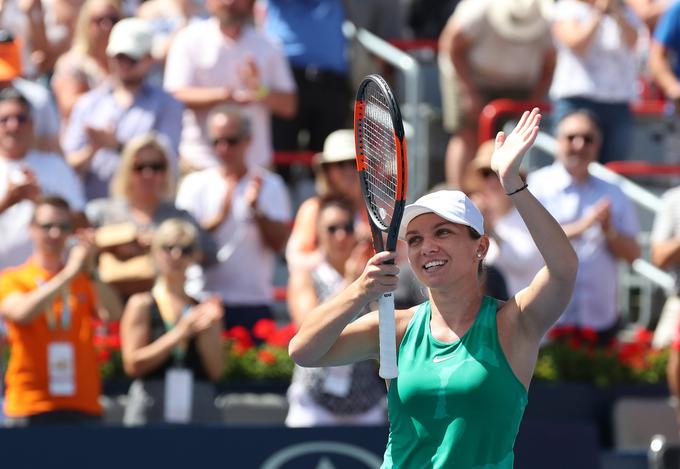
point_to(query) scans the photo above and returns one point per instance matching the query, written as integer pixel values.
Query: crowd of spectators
(137, 176)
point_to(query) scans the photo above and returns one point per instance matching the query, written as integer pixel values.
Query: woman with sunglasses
(171, 343)
(350, 394)
(85, 65)
(142, 192)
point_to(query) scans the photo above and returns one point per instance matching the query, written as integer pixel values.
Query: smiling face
(578, 144)
(442, 252)
(335, 232)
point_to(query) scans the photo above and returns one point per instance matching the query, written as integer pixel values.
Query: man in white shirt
(225, 60)
(25, 174)
(247, 210)
(599, 219)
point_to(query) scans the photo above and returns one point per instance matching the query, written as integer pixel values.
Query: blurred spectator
(649, 11)
(171, 344)
(25, 174)
(664, 69)
(336, 174)
(511, 249)
(247, 211)
(106, 117)
(490, 49)
(49, 304)
(427, 18)
(142, 193)
(596, 68)
(167, 17)
(313, 41)
(46, 125)
(371, 15)
(86, 64)
(665, 254)
(225, 60)
(598, 218)
(350, 394)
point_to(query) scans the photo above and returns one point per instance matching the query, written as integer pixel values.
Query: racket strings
(380, 152)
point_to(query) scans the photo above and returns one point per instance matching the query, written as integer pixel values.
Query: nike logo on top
(441, 359)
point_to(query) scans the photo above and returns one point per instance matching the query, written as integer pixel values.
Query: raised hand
(509, 150)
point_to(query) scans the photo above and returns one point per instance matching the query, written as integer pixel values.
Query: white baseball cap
(338, 146)
(132, 37)
(453, 206)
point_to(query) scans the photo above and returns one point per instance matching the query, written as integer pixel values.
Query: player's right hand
(378, 277)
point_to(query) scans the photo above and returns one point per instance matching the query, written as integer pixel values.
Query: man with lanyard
(48, 304)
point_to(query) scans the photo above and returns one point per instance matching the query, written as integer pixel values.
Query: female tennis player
(465, 360)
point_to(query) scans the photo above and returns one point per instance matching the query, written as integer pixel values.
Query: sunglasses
(126, 59)
(105, 21)
(588, 139)
(233, 140)
(20, 119)
(154, 167)
(185, 250)
(62, 227)
(348, 228)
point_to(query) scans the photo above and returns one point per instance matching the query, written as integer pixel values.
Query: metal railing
(410, 107)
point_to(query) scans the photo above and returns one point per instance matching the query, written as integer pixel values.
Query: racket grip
(388, 337)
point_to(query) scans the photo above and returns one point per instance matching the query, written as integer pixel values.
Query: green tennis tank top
(454, 405)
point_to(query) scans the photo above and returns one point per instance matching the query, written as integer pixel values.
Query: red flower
(264, 328)
(241, 336)
(266, 357)
(281, 337)
(103, 355)
(589, 335)
(643, 336)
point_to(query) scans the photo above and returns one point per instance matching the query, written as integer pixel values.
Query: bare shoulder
(403, 318)
(139, 304)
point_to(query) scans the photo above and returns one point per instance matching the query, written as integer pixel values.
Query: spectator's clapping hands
(22, 187)
(253, 190)
(101, 138)
(82, 256)
(201, 318)
(249, 75)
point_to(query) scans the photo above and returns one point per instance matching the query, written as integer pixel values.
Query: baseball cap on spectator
(338, 147)
(520, 20)
(132, 37)
(10, 56)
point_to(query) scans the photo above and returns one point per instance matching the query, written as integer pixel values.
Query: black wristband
(518, 190)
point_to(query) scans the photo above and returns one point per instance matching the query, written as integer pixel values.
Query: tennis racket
(381, 163)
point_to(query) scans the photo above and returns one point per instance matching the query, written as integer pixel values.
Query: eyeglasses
(232, 140)
(105, 21)
(154, 167)
(185, 250)
(348, 228)
(126, 59)
(62, 227)
(588, 139)
(20, 119)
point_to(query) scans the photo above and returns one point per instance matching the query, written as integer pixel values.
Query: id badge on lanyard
(61, 359)
(179, 390)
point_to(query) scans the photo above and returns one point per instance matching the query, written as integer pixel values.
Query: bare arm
(622, 246)
(301, 295)
(673, 372)
(111, 307)
(577, 35)
(649, 11)
(281, 103)
(139, 356)
(274, 233)
(543, 301)
(326, 337)
(660, 67)
(209, 340)
(665, 254)
(540, 90)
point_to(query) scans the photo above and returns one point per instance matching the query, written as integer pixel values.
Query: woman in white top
(596, 67)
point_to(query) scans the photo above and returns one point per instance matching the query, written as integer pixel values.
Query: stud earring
(479, 254)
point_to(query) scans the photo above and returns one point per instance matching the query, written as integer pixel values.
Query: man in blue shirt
(127, 105)
(598, 218)
(665, 51)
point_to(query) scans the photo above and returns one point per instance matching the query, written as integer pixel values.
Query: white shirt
(594, 302)
(201, 56)
(54, 177)
(513, 252)
(245, 265)
(606, 71)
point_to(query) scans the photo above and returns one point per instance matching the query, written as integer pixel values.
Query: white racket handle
(388, 337)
